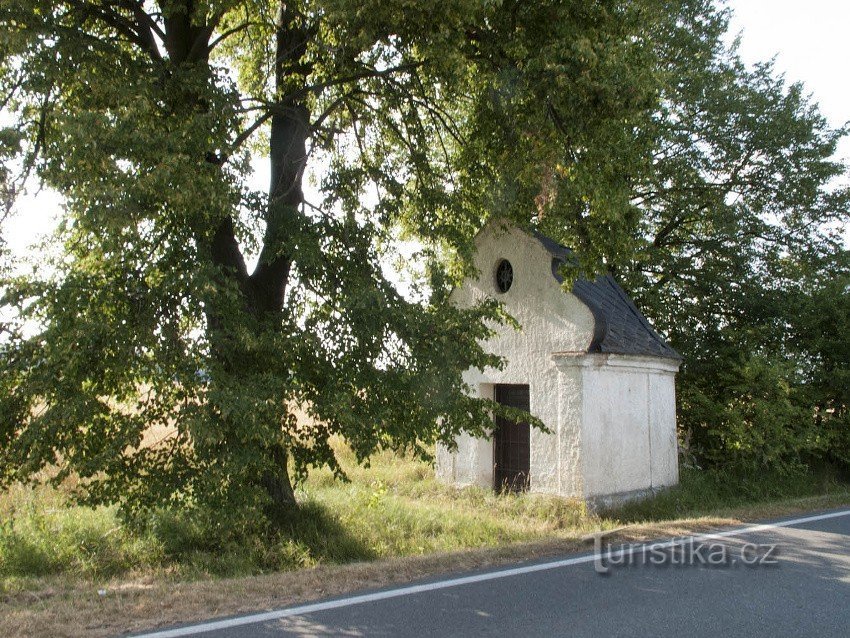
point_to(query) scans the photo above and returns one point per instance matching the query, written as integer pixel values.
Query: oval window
(504, 276)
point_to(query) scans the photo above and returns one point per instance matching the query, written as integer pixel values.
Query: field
(62, 567)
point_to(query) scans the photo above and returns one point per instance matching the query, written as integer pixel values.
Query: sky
(809, 40)
(811, 43)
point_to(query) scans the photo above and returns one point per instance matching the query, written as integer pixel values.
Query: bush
(747, 418)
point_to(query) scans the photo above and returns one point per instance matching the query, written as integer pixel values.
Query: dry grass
(74, 608)
(391, 524)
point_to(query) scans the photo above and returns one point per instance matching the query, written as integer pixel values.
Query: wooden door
(511, 442)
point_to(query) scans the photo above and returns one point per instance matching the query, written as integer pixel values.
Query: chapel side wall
(628, 424)
(615, 429)
(662, 424)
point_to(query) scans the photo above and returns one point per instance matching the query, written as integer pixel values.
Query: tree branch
(223, 36)
(135, 32)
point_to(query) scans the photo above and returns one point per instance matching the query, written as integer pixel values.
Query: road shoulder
(104, 609)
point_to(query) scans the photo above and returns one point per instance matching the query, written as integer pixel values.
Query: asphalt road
(798, 585)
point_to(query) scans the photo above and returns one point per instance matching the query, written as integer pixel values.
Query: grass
(395, 508)
(392, 521)
(713, 493)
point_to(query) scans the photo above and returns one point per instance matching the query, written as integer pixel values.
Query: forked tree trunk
(263, 291)
(288, 158)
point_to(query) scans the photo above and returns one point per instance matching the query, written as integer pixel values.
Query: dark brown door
(511, 444)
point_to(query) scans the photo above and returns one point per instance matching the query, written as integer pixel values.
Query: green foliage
(743, 265)
(148, 319)
(624, 129)
(750, 420)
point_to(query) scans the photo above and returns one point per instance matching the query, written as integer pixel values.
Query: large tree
(184, 302)
(743, 263)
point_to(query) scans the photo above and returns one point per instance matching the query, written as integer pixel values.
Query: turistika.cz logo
(704, 551)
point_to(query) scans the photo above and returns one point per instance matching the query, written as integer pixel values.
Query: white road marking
(301, 610)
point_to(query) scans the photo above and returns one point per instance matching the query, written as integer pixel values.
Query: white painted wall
(628, 422)
(550, 321)
(612, 418)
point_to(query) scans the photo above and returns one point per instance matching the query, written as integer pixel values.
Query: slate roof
(620, 326)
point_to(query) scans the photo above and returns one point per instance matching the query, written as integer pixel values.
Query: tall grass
(712, 492)
(42, 534)
(393, 508)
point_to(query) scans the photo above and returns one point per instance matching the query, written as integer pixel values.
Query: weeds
(394, 508)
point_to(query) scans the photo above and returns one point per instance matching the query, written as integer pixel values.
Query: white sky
(810, 41)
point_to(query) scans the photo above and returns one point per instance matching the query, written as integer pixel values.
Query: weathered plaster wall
(612, 417)
(662, 423)
(570, 411)
(551, 321)
(628, 431)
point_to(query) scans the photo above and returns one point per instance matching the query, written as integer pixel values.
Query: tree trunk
(288, 158)
(263, 292)
(277, 485)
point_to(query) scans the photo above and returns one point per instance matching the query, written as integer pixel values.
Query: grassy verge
(66, 570)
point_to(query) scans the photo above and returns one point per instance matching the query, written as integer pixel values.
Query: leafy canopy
(163, 352)
(162, 368)
(743, 263)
